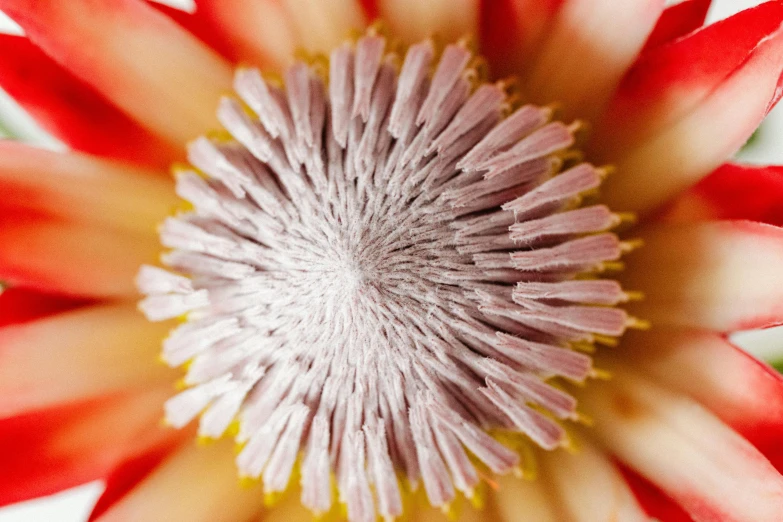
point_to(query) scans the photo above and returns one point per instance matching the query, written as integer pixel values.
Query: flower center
(382, 272)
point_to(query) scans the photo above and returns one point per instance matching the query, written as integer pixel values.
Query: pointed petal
(20, 305)
(589, 487)
(742, 391)
(511, 30)
(686, 107)
(71, 110)
(176, 490)
(142, 61)
(72, 259)
(82, 188)
(723, 276)
(733, 191)
(681, 447)
(676, 21)
(72, 356)
(413, 20)
(668, 82)
(49, 450)
(587, 50)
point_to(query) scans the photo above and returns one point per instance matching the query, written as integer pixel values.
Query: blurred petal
(176, 490)
(83, 188)
(655, 502)
(370, 8)
(511, 31)
(678, 445)
(267, 33)
(413, 20)
(678, 20)
(686, 107)
(77, 355)
(202, 27)
(142, 61)
(324, 25)
(587, 50)
(20, 305)
(524, 500)
(259, 32)
(130, 472)
(71, 110)
(743, 392)
(723, 276)
(733, 191)
(46, 451)
(462, 511)
(72, 259)
(589, 487)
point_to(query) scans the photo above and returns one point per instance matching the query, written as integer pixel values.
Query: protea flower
(396, 262)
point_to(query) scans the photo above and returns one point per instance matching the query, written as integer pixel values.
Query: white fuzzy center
(380, 271)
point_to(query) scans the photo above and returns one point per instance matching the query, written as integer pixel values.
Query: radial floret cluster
(386, 263)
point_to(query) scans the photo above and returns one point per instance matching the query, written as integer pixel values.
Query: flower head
(394, 270)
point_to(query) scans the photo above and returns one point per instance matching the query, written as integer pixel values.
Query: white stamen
(378, 272)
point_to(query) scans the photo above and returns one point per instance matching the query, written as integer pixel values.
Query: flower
(393, 268)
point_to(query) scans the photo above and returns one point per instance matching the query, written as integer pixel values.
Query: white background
(74, 505)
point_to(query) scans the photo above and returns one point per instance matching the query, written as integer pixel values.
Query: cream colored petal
(589, 487)
(655, 167)
(197, 484)
(321, 26)
(413, 20)
(74, 259)
(77, 355)
(722, 276)
(522, 500)
(684, 449)
(260, 33)
(83, 188)
(590, 45)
